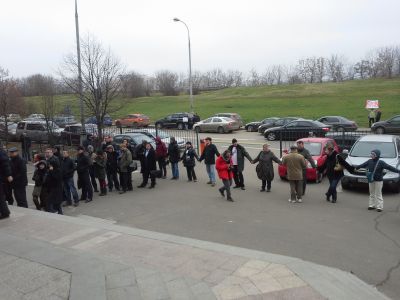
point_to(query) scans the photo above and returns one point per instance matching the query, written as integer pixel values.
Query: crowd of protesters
(110, 167)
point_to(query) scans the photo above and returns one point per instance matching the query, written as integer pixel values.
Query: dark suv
(177, 120)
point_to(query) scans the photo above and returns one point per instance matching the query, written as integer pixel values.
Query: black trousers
(371, 121)
(112, 179)
(145, 175)
(123, 178)
(4, 211)
(93, 178)
(129, 181)
(191, 174)
(304, 181)
(238, 177)
(19, 195)
(266, 183)
(162, 166)
(87, 190)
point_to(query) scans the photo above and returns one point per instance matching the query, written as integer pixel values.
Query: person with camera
(224, 168)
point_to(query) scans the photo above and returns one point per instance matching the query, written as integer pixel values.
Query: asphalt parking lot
(344, 235)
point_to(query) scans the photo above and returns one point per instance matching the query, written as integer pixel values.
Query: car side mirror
(345, 151)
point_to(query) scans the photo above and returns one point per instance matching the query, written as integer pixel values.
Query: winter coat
(82, 163)
(224, 168)
(370, 165)
(39, 175)
(26, 143)
(5, 166)
(265, 168)
(149, 161)
(209, 153)
(161, 149)
(173, 152)
(295, 163)
(112, 162)
(54, 186)
(99, 165)
(67, 167)
(125, 161)
(241, 154)
(188, 157)
(53, 159)
(306, 154)
(329, 166)
(19, 172)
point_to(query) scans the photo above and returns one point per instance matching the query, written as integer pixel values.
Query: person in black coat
(54, 187)
(82, 168)
(26, 144)
(189, 157)
(5, 178)
(149, 166)
(209, 153)
(20, 179)
(333, 171)
(174, 157)
(68, 170)
(39, 176)
(112, 168)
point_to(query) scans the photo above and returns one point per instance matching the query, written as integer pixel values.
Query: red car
(316, 148)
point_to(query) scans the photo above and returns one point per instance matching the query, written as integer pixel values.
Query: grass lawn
(254, 103)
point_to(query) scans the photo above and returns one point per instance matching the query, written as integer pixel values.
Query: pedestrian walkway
(48, 256)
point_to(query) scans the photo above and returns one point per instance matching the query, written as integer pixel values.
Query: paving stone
(217, 276)
(202, 291)
(229, 292)
(290, 282)
(233, 263)
(301, 293)
(142, 272)
(246, 272)
(124, 293)
(193, 269)
(278, 270)
(7, 292)
(179, 290)
(266, 285)
(256, 264)
(57, 289)
(153, 287)
(250, 289)
(6, 259)
(121, 279)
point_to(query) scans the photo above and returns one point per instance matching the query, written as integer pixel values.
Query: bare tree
(336, 68)
(101, 79)
(386, 60)
(254, 78)
(46, 87)
(167, 83)
(133, 85)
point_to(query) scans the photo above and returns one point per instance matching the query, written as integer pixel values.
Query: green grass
(254, 103)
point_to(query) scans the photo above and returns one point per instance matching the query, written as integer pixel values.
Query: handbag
(338, 167)
(132, 166)
(156, 173)
(370, 175)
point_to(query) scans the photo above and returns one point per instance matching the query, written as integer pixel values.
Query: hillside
(254, 103)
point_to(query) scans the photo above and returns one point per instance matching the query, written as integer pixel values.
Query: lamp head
(176, 20)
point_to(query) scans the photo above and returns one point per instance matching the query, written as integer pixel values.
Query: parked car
(216, 124)
(12, 129)
(14, 118)
(62, 121)
(345, 140)
(233, 116)
(37, 131)
(253, 126)
(277, 123)
(389, 145)
(93, 120)
(316, 147)
(389, 126)
(134, 139)
(176, 120)
(133, 120)
(164, 136)
(36, 116)
(339, 123)
(297, 129)
(71, 135)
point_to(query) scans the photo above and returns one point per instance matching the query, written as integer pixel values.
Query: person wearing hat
(188, 159)
(295, 163)
(82, 168)
(39, 176)
(307, 156)
(375, 168)
(209, 153)
(54, 187)
(19, 173)
(99, 164)
(238, 154)
(5, 176)
(112, 168)
(265, 168)
(333, 171)
(174, 157)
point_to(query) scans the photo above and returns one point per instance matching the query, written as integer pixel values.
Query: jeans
(227, 187)
(191, 174)
(211, 172)
(175, 170)
(333, 182)
(26, 154)
(69, 187)
(238, 176)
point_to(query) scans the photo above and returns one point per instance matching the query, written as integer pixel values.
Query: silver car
(37, 130)
(216, 124)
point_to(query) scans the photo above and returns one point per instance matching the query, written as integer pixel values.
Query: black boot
(327, 197)
(103, 191)
(334, 198)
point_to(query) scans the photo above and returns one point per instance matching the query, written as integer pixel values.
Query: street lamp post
(190, 67)
(78, 54)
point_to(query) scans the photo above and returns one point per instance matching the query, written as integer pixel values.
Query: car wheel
(380, 130)
(340, 129)
(345, 186)
(220, 130)
(197, 129)
(271, 136)
(159, 125)
(180, 126)
(250, 128)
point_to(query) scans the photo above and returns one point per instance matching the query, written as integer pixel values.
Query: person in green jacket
(99, 166)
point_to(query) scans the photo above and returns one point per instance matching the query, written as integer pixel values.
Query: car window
(21, 126)
(395, 120)
(364, 148)
(279, 122)
(207, 120)
(313, 148)
(323, 120)
(292, 124)
(304, 124)
(332, 119)
(34, 127)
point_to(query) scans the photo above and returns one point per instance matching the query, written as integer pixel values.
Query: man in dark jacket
(238, 153)
(99, 164)
(208, 155)
(82, 168)
(20, 178)
(92, 155)
(149, 165)
(174, 157)
(5, 176)
(189, 157)
(161, 156)
(112, 168)
(26, 144)
(307, 156)
(376, 166)
(332, 172)
(67, 170)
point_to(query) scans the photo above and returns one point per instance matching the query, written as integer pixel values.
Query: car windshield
(227, 119)
(313, 148)
(140, 138)
(163, 135)
(363, 149)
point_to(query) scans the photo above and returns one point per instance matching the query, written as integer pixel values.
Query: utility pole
(78, 54)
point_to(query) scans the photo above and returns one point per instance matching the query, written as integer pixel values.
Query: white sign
(371, 104)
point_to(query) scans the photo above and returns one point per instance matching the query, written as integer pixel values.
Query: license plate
(363, 180)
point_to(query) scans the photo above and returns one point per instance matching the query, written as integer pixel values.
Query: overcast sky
(230, 34)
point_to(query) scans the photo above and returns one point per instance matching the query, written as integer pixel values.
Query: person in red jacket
(224, 168)
(161, 156)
